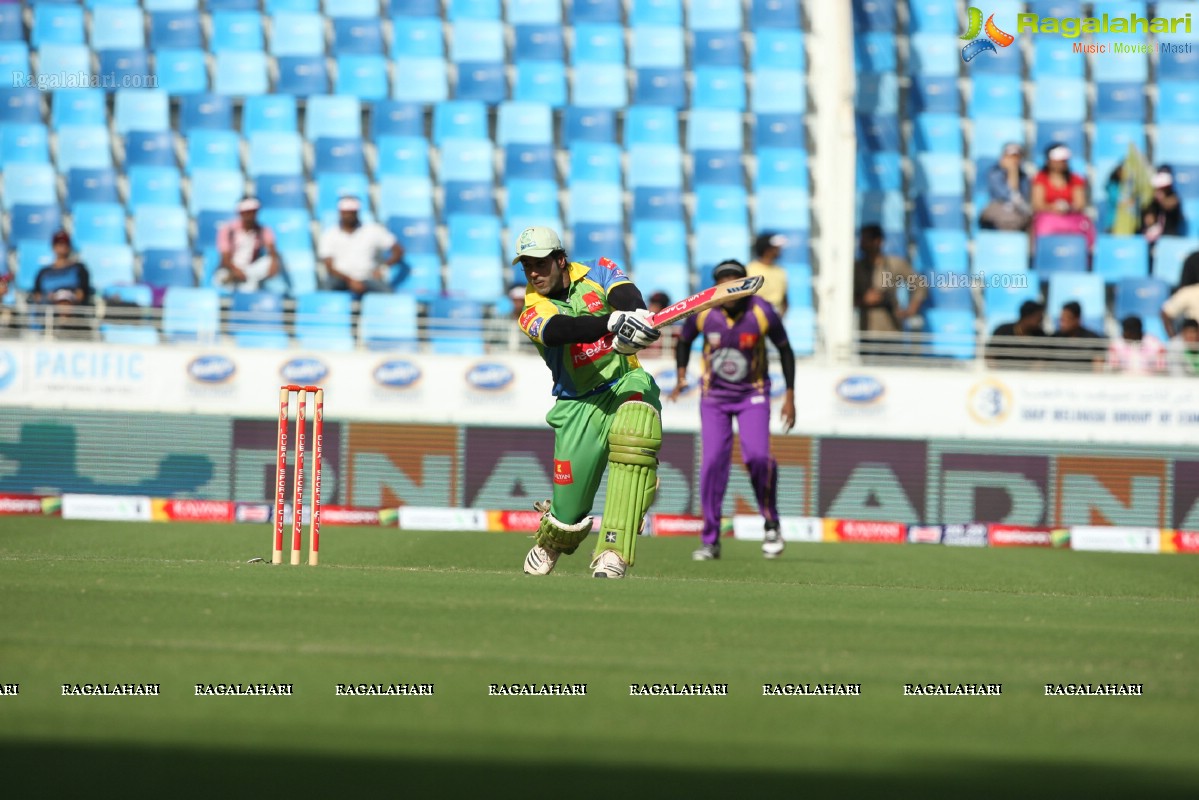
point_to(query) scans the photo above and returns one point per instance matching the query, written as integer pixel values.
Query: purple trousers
(716, 415)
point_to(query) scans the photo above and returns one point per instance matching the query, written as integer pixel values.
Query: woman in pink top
(1059, 198)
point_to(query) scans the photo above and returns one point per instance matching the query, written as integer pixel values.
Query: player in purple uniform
(736, 385)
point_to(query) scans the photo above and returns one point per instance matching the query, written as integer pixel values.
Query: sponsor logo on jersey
(211, 369)
(593, 302)
(535, 328)
(581, 354)
(527, 316)
(748, 341)
(562, 473)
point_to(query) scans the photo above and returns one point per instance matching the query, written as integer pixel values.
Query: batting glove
(633, 330)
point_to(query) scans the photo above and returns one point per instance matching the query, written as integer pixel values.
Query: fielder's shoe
(608, 564)
(708, 552)
(772, 542)
(541, 560)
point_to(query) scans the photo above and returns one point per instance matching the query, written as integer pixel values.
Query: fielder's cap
(1059, 153)
(60, 237)
(249, 204)
(1161, 180)
(730, 267)
(537, 242)
(1013, 149)
(768, 240)
(348, 204)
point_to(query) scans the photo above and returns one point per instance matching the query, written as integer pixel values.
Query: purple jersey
(735, 362)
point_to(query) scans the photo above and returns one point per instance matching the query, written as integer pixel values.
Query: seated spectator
(1136, 353)
(1059, 198)
(248, 255)
(1182, 352)
(1163, 216)
(65, 285)
(767, 249)
(1077, 346)
(1010, 204)
(350, 252)
(657, 301)
(876, 281)
(1183, 303)
(1020, 342)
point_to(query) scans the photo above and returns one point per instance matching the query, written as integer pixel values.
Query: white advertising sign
(106, 507)
(1115, 540)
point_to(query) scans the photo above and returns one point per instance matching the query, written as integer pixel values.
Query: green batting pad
(556, 535)
(633, 442)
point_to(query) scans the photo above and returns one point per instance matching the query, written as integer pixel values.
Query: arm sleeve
(85, 283)
(778, 334)
(682, 346)
(563, 329)
(224, 238)
(997, 185)
(624, 297)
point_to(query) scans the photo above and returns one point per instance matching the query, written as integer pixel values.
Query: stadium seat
(474, 235)
(159, 228)
(598, 44)
(333, 186)
(1177, 144)
(149, 148)
(1120, 101)
(482, 81)
(417, 37)
(600, 86)
(362, 76)
(206, 111)
(877, 93)
(478, 278)
(722, 205)
(1177, 103)
(420, 80)
(1086, 289)
(32, 255)
(777, 49)
(302, 76)
(934, 94)
(937, 133)
(595, 202)
(256, 320)
(117, 28)
(1059, 100)
(1051, 60)
(388, 322)
(240, 74)
(988, 140)
(213, 149)
(1168, 254)
(54, 23)
(29, 184)
(1064, 253)
(332, 116)
(125, 67)
(339, 155)
(717, 167)
(190, 315)
(951, 296)
(91, 186)
(24, 143)
(178, 29)
(782, 166)
(275, 153)
(405, 196)
(879, 171)
(232, 5)
(939, 174)
(20, 106)
(657, 46)
(540, 82)
(661, 86)
(358, 36)
(779, 130)
(706, 15)
(1118, 257)
(466, 160)
(154, 186)
(98, 223)
(782, 207)
(460, 119)
(925, 16)
(779, 91)
(291, 226)
(995, 96)
(657, 203)
(1110, 145)
(651, 125)
(878, 133)
(714, 243)
(942, 251)
(395, 118)
(530, 200)
(951, 333)
(215, 190)
(1130, 66)
(12, 29)
(776, 14)
(141, 110)
(720, 48)
(583, 11)
(181, 72)
(162, 268)
(402, 156)
(454, 325)
(14, 61)
(423, 275)
(297, 34)
(269, 113)
(528, 123)
(207, 225)
(83, 146)
(657, 241)
(353, 8)
(655, 165)
(476, 40)
(585, 124)
(128, 335)
(529, 161)
(939, 211)
(875, 52)
(281, 191)
(417, 234)
(887, 209)
(108, 265)
(593, 240)
(595, 162)
(1067, 133)
(469, 197)
(323, 322)
(934, 54)
(1000, 252)
(236, 31)
(712, 129)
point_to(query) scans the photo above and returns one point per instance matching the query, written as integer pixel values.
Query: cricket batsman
(736, 385)
(589, 321)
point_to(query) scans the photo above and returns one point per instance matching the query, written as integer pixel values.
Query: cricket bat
(708, 298)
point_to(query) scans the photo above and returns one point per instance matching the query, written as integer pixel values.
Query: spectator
(1183, 303)
(657, 301)
(1135, 352)
(350, 252)
(247, 249)
(1163, 215)
(1182, 353)
(65, 284)
(1009, 208)
(767, 249)
(876, 281)
(1078, 346)
(1059, 198)
(1013, 342)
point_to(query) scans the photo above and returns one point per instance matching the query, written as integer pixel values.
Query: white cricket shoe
(608, 564)
(707, 552)
(772, 542)
(541, 560)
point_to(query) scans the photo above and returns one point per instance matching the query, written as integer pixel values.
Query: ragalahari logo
(994, 36)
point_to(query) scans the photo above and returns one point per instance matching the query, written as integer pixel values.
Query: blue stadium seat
(483, 81)
(236, 31)
(718, 87)
(540, 82)
(332, 116)
(714, 243)
(128, 335)
(934, 54)
(877, 93)
(136, 294)
(782, 207)
(942, 251)
(190, 315)
(302, 76)
(333, 186)
(162, 268)
(935, 94)
(29, 185)
(181, 72)
(405, 196)
(281, 191)
(939, 174)
(927, 16)
(117, 28)
(1056, 8)
(784, 14)
(423, 277)
(232, 5)
(403, 156)
(951, 333)
(417, 37)
(91, 186)
(213, 149)
(205, 111)
(175, 30)
(797, 250)
(298, 6)
(1177, 102)
(989, 138)
(529, 161)
(529, 123)
(149, 148)
(1120, 101)
(141, 110)
(469, 197)
(1083, 288)
(595, 202)
(84, 146)
(658, 241)
(1000, 252)
(56, 24)
(1051, 60)
(207, 225)
(155, 186)
(21, 105)
(656, 12)
(417, 234)
(299, 272)
(269, 113)
(954, 296)
(455, 324)
(1168, 254)
(160, 227)
(474, 235)
(32, 255)
(1119, 257)
(600, 86)
(722, 205)
(658, 203)
(719, 48)
(297, 34)
(1178, 66)
(362, 76)
(585, 11)
(598, 240)
(874, 52)
(1142, 297)
(651, 125)
(125, 67)
(595, 162)
(995, 96)
(460, 119)
(417, 8)
(655, 165)
(478, 278)
(799, 285)
(108, 265)
(256, 320)
(706, 15)
(338, 155)
(717, 167)
(661, 86)
(358, 36)
(937, 133)
(466, 160)
(1130, 66)
(1059, 100)
(780, 91)
(887, 209)
(779, 130)
(35, 221)
(800, 325)
(98, 223)
(586, 124)
(1060, 254)
(778, 49)
(782, 166)
(598, 44)
(14, 62)
(529, 201)
(352, 8)
(388, 322)
(1177, 144)
(78, 107)
(939, 211)
(1110, 145)
(477, 40)
(323, 321)
(290, 226)
(24, 143)
(215, 190)
(879, 171)
(395, 118)
(12, 29)
(657, 46)
(239, 73)
(538, 42)
(275, 153)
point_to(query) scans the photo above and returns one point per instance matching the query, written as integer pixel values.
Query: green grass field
(177, 605)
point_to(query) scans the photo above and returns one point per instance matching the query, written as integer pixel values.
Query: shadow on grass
(96, 770)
